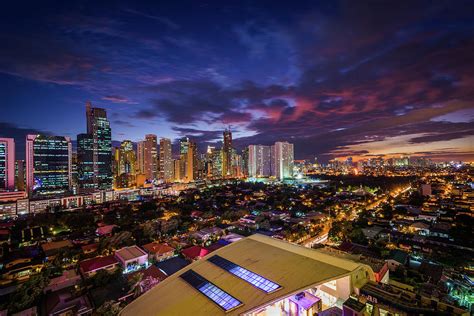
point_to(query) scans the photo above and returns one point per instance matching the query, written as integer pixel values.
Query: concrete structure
(257, 275)
(259, 161)
(7, 164)
(166, 160)
(147, 156)
(283, 160)
(131, 258)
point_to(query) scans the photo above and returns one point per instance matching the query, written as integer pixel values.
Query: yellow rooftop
(294, 268)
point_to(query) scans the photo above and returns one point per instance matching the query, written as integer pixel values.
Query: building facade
(7, 164)
(166, 160)
(48, 165)
(147, 157)
(283, 160)
(259, 161)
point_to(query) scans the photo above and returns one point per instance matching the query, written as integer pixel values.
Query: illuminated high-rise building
(283, 160)
(166, 160)
(259, 161)
(85, 163)
(177, 175)
(20, 175)
(48, 165)
(191, 162)
(147, 157)
(96, 151)
(125, 165)
(7, 164)
(183, 156)
(227, 154)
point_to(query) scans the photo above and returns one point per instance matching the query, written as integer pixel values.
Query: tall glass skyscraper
(48, 165)
(96, 151)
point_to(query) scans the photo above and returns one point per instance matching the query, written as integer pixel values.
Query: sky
(336, 78)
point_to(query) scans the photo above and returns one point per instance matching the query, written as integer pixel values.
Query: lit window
(217, 295)
(246, 275)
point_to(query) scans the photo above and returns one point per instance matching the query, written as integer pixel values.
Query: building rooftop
(97, 263)
(157, 248)
(290, 267)
(172, 265)
(130, 253)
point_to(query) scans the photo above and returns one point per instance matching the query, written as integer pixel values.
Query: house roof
(56, 245)
(157, 248)
(172, 265)
(195, 252)
(97, 263)
(130, 253)
(292, 267)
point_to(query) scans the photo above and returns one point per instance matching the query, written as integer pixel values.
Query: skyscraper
(227, 154)
(7, 164)
(100, 156)
(183, 153)
(166, 160)
(259, 161)
(191, 162)
(125, 165)
(283, 160)
(147, 156)
(85, 163)
(48, 165)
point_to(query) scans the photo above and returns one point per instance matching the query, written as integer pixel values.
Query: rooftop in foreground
(249, 274)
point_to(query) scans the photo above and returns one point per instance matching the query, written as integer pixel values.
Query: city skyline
(336, 79)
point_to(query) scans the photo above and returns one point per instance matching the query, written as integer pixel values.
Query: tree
(109, 308)
(29, 292)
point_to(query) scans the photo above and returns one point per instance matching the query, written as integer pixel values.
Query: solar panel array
(214, 293)
(246, 275)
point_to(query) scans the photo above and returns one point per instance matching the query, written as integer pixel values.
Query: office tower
(259, 161)
(166, 160)
(48, 165)
(7, 164)
(183, 152)
(236, 164)
(245, 161)
(96, 151)
(85, 163)
(125, 165)
(147, 157)
(227, 154)
(177, 175)
(20, 175)
(283, 160)
(191, 162)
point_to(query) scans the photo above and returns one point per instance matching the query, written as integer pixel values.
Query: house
(372, 232)
(52, 248)
(158, 251)
(194, 252)
(420, 228)
(397, 258)
(171, 265)
(131, 258)
(90, 267)
(65, 302)
(207, 233)
(105, 230)
(88, 249)
(67, 279)
(232, 237)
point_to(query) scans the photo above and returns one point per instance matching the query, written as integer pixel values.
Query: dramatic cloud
(338, 78)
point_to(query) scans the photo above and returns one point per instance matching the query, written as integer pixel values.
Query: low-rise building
(159, 252)
(132, 258)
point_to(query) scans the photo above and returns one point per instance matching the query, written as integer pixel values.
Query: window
(246, 275)
(217, 295)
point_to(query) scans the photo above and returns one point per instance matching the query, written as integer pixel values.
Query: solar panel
(214, 293)
(246, 275)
